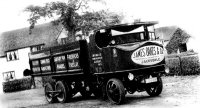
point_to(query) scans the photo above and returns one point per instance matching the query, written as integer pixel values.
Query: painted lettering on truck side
(73, 60)
(148, 55)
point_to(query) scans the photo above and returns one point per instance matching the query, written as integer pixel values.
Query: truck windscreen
(124, 34)
(135, 35)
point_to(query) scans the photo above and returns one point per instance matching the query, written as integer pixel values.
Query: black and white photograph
(99, 54)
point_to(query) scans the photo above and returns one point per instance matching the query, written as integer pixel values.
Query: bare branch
(80, 4)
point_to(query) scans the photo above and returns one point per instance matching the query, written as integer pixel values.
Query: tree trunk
(71, 36)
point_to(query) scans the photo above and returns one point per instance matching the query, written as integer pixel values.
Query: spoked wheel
(155, 89)
(49, 93)
(115, 91)
(63, 91)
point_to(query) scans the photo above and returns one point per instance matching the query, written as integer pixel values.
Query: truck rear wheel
(155, 89)
(115, 91)
(63, 91)
(48, 90)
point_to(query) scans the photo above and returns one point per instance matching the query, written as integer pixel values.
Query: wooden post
(180, 65)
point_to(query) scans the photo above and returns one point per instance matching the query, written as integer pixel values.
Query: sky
(181, 13)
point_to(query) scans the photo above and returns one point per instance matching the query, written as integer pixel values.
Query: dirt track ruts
(178, 91)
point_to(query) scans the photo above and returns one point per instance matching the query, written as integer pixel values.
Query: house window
(37, 48)
(12, 55)
(7, 76)
(63, 41)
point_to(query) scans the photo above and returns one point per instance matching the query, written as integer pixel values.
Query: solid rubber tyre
(115, 91)
(48, 94)
(156, 88)
(63, 91)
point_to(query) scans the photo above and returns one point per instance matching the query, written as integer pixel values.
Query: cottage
(174, 39)
(16, 45)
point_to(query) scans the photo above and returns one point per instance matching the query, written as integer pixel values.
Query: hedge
(17, 85)
(47, 79)
(190, 65)
(183, 64)
(41, 81)
(174, 65)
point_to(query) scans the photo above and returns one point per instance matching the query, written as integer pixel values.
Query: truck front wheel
(115, 91)
(154, 89)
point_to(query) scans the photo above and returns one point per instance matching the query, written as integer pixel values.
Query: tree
(68, 14)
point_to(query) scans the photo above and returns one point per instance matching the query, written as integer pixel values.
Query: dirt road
(178, 92)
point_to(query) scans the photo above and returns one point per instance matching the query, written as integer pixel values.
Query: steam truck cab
(116, 60)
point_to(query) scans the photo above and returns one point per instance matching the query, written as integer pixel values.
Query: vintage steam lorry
(115, 60)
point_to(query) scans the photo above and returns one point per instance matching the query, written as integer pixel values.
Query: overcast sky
(182, 13)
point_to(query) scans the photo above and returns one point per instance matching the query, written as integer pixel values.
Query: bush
(186, 63)
(17, 85)
(38, 82)
(174, 65)
(47, 79)
(41, 81)
(190, 65)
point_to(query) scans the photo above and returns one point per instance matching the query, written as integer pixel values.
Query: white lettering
(73, 64)
(36, 69)
(60, 66)
(59, 58)
(73, 56)
(45, 61)
(35, 63)
(148, 55)
(46, 68)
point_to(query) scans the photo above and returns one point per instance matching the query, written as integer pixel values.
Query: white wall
(63, 34)
(18, 65)
(193, 43)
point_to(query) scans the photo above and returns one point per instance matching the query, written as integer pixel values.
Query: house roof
(166, 33)
(128, 26)
(20, 38)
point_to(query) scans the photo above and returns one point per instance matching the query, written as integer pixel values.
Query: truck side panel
(66, 59)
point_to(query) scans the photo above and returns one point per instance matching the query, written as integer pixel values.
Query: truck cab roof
(128, 26)
(124, 33)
